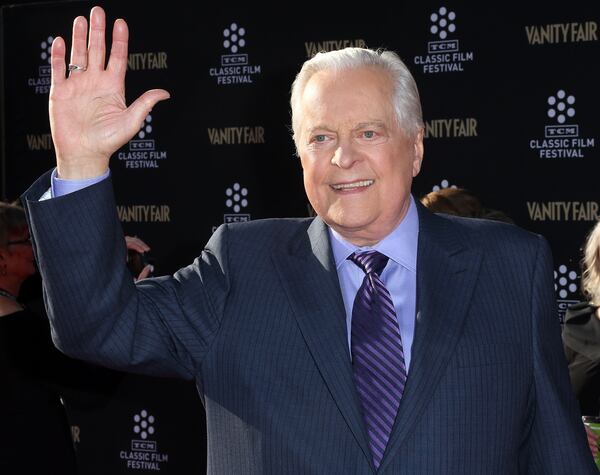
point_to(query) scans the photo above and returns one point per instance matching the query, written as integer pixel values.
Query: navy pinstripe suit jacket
(258, 321)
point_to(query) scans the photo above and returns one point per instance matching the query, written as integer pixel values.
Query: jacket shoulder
(492, 233)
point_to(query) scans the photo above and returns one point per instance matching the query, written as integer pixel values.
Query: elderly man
(376, 337)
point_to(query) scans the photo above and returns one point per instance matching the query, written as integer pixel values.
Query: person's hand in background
(139, 247)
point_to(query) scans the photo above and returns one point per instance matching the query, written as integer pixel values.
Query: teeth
(349, 186)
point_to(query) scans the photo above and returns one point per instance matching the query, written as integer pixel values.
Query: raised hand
(89, 118)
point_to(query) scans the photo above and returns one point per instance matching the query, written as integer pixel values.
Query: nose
(345, 155)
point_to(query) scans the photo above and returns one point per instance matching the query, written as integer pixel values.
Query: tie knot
(370, 261)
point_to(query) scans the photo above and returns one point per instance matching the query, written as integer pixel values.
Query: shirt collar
(400, 245)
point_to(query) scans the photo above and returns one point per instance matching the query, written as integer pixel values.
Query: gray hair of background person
(407, 104)
(12, 221)
(590, 279)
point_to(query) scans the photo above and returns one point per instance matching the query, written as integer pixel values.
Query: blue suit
(258, 321)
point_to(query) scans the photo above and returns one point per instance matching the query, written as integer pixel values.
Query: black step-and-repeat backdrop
(510, 95)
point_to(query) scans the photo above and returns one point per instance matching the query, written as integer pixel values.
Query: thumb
(141, 107)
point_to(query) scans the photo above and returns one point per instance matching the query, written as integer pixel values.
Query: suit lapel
(446, 276)
(308, 274)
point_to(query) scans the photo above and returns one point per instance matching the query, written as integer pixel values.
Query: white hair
(590, 279)
(407, 104)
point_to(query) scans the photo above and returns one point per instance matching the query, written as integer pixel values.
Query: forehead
(347, 97)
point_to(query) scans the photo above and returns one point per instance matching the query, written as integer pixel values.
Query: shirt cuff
(61, 187)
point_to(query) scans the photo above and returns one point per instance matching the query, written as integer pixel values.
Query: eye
(369, 134)
(319, 140)
(375, 136)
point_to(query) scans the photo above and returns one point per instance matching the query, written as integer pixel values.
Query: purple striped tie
(377, 355)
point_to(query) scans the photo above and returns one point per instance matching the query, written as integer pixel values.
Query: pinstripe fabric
(377, 354)
(258, 321)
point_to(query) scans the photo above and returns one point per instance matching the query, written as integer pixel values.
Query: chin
(344, 226)
(354, 217)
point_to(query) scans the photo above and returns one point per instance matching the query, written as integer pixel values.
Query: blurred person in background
(581, 331)
(581, 335)
(454, 201)
(36, 377)
(31, 414)
(461, 202)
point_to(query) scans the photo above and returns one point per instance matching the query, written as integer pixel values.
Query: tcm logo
(236, 200)
(442, 23)
(565, 284)
(560, 106)
(142, 142)
(143, 152)
(561, 139)
(235, 65)
(143, 446)
(143, 424)
(143, 454)
(233, 41)
(444, 54)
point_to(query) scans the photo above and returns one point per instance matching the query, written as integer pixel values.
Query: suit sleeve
(556, 442)
(162, 326)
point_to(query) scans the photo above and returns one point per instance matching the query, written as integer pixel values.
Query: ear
(418, 152)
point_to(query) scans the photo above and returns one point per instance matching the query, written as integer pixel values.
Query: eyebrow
(373, 123)
(361, 125)
(319, 127)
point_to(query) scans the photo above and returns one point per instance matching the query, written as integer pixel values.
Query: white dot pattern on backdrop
(235, 199)
(560, 106)
(565, 282)
(146, 127)
(442, 23)
(46, 46)
(234, 38)
(444, 184)
(143, 424)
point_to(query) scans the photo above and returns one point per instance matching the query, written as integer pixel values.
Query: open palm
(89, 117)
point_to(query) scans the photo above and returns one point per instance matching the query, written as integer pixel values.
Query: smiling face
(358, 163)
